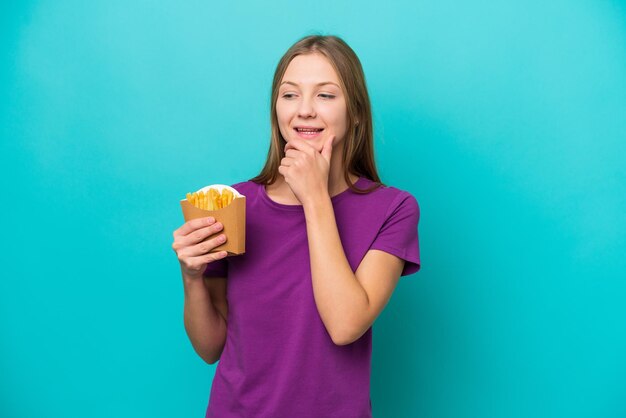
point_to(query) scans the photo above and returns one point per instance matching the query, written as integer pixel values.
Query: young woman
(326, 243)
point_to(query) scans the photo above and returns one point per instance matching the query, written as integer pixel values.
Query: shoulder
(393, 198)
(245, 187)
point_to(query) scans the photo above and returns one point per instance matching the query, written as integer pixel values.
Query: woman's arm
(205, 303)
(205, 311)
(348, 302)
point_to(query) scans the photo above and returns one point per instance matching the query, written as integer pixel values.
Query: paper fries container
(233, 217)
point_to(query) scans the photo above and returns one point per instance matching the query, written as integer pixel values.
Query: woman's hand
(192, 246)
(305, 169)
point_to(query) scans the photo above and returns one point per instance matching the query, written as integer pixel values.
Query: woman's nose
(306, 108)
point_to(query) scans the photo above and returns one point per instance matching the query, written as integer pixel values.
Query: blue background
(505, 119)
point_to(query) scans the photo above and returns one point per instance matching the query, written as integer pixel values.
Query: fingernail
(221, 238)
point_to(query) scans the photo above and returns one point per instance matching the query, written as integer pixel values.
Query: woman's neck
(337, 183)
(281, 192)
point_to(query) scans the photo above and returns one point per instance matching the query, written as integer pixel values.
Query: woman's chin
(316, 142)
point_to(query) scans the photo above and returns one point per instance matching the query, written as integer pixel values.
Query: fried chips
(212, 199)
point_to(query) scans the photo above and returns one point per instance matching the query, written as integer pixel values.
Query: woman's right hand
(192, 246)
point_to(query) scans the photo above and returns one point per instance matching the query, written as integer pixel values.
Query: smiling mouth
(308, 130)
(308, 133)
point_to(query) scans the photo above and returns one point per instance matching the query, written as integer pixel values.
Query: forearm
(340, 298)
(204, 325)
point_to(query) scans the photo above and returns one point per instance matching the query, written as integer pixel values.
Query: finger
(299, 144)
(286, 162)
(196, 236)
(327, 149)
(204, 247)
(199, 263)
(288, 146)
(194, 224)
(292, 153)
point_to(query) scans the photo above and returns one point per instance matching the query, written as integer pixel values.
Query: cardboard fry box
(233, 217)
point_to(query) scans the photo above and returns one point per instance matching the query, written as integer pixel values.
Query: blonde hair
(358, 151)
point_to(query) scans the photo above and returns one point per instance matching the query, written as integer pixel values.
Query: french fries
(211, 200)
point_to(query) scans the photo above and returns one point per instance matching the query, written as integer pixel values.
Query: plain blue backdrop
(505, 119)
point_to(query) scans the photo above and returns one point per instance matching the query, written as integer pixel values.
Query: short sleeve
(398, 234)
(218, 268)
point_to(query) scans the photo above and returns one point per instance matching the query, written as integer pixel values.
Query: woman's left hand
(306, 170)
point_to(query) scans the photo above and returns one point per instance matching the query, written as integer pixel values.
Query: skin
(306, 104)
(310, 173)
(205, 306)
(348, 302)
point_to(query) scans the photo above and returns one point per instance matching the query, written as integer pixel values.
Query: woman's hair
(358, 151)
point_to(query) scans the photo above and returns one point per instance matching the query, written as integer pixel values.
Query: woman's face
(310, 96)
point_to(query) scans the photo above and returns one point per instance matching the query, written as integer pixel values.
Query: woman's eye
(325, 96)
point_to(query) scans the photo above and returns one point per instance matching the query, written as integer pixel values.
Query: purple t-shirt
(279, 361)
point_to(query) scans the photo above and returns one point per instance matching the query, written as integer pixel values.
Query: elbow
(338, 341)
(211, 361)
(209, 355)
(346, 337)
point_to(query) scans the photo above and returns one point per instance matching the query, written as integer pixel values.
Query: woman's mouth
(308, 133)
